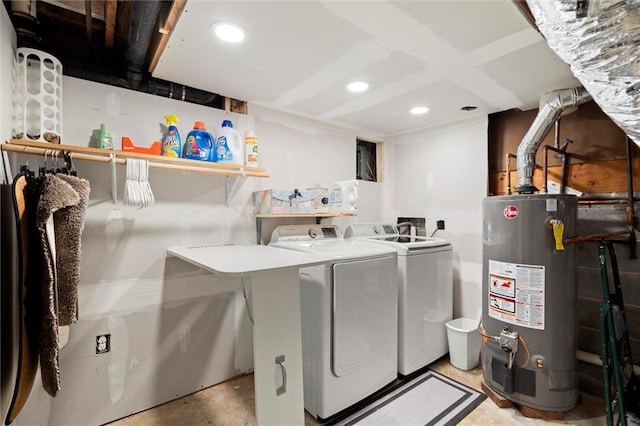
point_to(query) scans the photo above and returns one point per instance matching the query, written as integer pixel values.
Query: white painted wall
(7, 55)
(174, 328)
(442, 174)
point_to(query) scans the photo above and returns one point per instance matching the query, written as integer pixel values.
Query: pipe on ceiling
(25, 22)
(551, 107)
(144, 16)
(152, 86)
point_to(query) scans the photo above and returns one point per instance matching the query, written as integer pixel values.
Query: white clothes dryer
(349, 317)
(425, 292)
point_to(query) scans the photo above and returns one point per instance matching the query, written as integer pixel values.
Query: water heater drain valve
(508, 341)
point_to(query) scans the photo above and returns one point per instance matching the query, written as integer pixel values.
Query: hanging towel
(55, 194)
(69, 224)
(30, 270)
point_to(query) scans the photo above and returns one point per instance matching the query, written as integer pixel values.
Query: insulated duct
(551, 107)
(600, 40)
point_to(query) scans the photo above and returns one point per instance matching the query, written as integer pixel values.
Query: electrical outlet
(103, 344)
(440, 224)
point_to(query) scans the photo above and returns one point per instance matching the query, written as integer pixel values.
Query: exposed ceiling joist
(110, 22)
(165, 31)
(87, 20)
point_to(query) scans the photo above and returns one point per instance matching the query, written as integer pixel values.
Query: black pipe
(563, 183)
(632, 211)
(562, 151)
(508, 379)
(630, 178)
(26, 24)
(144, 17)
(152, 86)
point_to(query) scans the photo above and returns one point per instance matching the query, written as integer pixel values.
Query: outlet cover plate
(103, 344)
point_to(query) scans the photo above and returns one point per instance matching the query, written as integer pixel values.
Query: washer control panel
(370, 230)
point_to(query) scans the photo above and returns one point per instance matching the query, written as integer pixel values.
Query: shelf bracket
(258, 230)
(114, 181)
(229, 192)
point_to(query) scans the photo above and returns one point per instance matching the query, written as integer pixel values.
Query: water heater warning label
(516, 293)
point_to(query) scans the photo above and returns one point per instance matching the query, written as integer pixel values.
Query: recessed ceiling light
(419, 110)
(227, 31)
(468, 108)
(358, 86)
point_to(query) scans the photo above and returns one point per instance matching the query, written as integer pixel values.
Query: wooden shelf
(157, 161)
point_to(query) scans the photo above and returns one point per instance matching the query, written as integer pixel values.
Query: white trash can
(464, 343)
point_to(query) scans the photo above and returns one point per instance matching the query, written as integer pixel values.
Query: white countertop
(243, 259)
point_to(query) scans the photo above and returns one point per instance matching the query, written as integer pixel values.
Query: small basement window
(367, 160)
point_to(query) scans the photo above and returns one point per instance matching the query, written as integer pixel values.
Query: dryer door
(365, 304)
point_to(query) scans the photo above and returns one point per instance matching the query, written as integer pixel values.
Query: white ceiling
(299, 56)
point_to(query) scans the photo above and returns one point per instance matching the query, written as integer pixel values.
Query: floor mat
(428, 399)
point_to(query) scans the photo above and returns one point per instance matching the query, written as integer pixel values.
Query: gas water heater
(529, 300)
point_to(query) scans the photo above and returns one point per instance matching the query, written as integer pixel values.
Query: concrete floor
(232, 404)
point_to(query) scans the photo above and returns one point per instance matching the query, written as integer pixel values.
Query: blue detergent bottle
(199, 144)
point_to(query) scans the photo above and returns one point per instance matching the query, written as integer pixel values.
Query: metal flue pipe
(549, 112)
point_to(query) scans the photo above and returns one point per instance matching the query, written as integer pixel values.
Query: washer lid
(414, 241)
(388, 233)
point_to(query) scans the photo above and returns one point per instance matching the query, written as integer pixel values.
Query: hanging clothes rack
(156, 161)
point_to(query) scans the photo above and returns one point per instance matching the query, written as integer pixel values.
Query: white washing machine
(349, 316)
(425, 292)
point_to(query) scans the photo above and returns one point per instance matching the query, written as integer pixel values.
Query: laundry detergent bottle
(229, 145)
(250, 149)
(171, 144)
(105, 138)
(199, 144)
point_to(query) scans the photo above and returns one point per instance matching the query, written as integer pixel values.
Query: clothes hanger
(24, 169)
(58, 168)
(69, 163)
(42, 170)
(51, 170)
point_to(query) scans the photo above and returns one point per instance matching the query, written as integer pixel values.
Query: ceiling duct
(551, 107)
(600, 40)
(152, 86)
(144, 17)
(25, 22)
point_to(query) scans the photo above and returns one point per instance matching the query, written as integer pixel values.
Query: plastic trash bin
(464, 343)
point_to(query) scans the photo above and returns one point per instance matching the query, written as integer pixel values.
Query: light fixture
(419, 110)
(468, 108)
(357, 86)
(228, 31)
